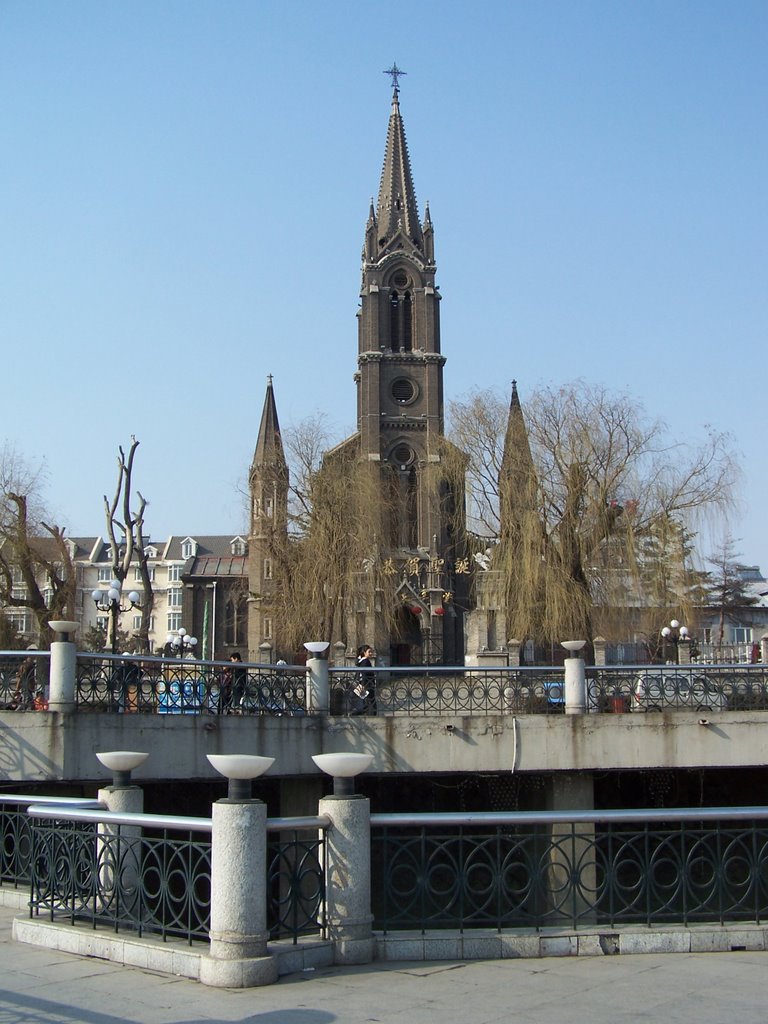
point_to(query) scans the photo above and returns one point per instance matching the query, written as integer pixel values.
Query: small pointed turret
(517, 478)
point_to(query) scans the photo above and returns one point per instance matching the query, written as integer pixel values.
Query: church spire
(269, 452)
(397, 213)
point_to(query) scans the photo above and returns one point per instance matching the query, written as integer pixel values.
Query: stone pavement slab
(39, 986)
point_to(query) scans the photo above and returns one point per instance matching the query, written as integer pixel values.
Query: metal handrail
(73, 801)
(645, 814)
(172, 823)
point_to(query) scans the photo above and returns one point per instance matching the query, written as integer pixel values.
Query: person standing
(364, 691)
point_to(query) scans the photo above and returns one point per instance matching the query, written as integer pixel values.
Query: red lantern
(440, 611)
(416, 609)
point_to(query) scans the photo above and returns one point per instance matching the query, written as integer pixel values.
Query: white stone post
(600, 644)
(63, 674)
(575, 686)
(238, 956)
(348, 877)
(114, 855)
(513, 653)
(318, 687)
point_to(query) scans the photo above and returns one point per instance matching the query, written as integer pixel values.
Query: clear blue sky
(184, 187)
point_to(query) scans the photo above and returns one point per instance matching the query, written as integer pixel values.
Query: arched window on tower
(412, 509)
(394, 322)
(400, 322)
(407, 339)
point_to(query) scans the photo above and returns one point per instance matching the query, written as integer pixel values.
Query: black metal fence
(24, 680)
(538, 871)
(180, 686)
(155, 877)
(168, 686)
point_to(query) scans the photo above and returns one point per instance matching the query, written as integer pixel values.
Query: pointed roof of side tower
(397, 213)
(269, 446)
(517, 449)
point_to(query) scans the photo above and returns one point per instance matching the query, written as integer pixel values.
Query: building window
(21, 621)
(236, 622)
(174, 622)
(105, 573)
(267, 568)
(48, 596)
(491, 626)
(174, 573)
(187, 549)
(269, 507)
(102, 623)
(238, 547)
(401, 322)
(136, 622)
(267, 629)
(707, 634)
(150, 571)
(742, 634)
(174, 597)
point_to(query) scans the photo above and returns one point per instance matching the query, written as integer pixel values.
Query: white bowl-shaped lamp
(121, 763)
(63, 627)
(573, 646)
(316, 647)
(343, 768)
(240, 770)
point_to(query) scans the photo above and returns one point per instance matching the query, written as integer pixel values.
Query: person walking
(364, 691)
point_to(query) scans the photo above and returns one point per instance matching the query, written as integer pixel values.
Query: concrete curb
(175, 957)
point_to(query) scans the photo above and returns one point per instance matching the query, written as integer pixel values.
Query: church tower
(400, 411)
(268, 484)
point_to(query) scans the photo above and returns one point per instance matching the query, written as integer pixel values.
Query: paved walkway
(38, 985)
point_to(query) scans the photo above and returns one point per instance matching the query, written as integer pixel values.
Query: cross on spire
(395, 72)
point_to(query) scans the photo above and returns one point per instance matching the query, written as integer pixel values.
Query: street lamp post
(181, 643)
(672, 635)
(109, 601)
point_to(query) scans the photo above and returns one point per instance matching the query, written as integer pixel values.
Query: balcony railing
(144, 685)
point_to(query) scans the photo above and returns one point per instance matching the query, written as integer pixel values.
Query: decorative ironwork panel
(109, 875)
(295, 885)
(16, 852)
(568, 875)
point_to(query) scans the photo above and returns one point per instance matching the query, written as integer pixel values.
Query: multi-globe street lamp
(181, 643)
(109, 601)
(673, 634)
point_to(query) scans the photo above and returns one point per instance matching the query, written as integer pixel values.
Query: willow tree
(587, 503)
(329, 560)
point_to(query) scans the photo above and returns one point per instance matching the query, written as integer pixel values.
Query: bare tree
(598, 482)
(125, 530)
(36, 568)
